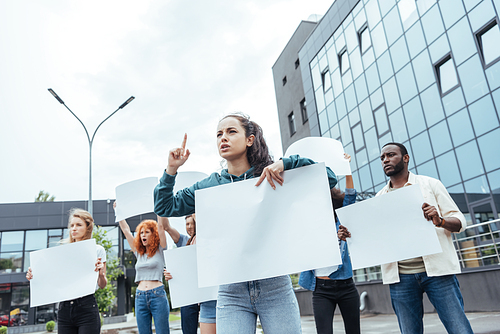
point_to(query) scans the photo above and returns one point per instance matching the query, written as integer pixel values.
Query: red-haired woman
(150, 297)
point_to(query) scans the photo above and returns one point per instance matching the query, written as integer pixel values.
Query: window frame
(303, 110)
(361, 30)
(339, 56)
(292, 126)
(477, 39)
(437, 65)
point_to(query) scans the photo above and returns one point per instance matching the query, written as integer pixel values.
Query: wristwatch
(441, 224)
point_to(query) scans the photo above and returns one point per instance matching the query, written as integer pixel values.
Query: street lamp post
(90, 140)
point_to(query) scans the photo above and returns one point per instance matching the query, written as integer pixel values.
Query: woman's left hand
(167, 275)
(99, 265)
(272, 172)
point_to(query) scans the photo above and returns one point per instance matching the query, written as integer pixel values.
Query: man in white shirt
(433, 274)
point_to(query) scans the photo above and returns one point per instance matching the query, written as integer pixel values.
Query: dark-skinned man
(433, 274)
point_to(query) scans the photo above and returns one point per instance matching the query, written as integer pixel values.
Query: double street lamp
(90, 140)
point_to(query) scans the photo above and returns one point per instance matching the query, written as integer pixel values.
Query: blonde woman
(81, 315)
(150, 298)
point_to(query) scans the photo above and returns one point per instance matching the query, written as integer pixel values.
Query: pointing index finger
(183, 146)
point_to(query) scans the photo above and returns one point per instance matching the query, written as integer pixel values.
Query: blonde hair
(84, 216)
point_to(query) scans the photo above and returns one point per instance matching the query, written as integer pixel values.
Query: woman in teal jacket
(241, 143)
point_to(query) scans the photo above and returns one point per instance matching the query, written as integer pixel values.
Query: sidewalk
(482, 323)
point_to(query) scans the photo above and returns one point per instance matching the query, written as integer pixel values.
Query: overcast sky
(188, 63)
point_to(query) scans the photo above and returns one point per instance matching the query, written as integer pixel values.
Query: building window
(488, 41)
(446, 74)
(365, 41)
(303, 110)
(381, 122)
(343, 61)
(297, 63)
(284, 80)
(326, 80)
(291, 124)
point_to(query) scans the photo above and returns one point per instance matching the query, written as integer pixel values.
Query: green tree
(44, 197)
(106, 296)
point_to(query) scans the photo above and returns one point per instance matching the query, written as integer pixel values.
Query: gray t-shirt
(149, 268)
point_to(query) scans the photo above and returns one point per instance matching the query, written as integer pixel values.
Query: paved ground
(482, 323)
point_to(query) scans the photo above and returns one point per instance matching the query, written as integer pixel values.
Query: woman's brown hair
(154, 241)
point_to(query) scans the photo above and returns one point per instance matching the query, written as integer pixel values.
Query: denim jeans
(189, 319)
(444, 294)
(330, 293)
(152, 304)
(79, 316)
(272, 299)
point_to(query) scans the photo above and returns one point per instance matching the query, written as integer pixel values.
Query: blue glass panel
(316, 77)
(494, 178)
(421, 148)
(392, 25)
(428, 169)
(483, 115)
(391, 95)
(472, 79)
(447, 76)
(372, 13)
(424, 72)
(477, 188)
(424, 6)
(431, 102)
(345, 131)
(355, 178)
(332, 114)
(469, 4)
(377, 98)
(381, 120)
(12, 241)
(333, 60)
(384, 64)
(357, 134)
(351, 38)
(335, 132)
(361, 90)
(360, 17)
(433, 24)
(490, 45)
(414, 117)
(453, 101)
(406, 84)
(440, 138)
(385, 6)
(493, 75)
(366, 113)
(469, 160)
(439, 48)
(354, 116)
(452, 11)
(372, 78)
(378, 40)
(448, 169)
(377, 172)
(372, 144)
(347, 78)
(415, 39)
(329, 97)
(35, 240)
(350, 97)
(387, 138)
(340, 105)
(365, 177)
(461, 40)
(356, 65)
(337, 83)
(489, 150)
(350, 150)
(368, 57)
(361, 158)
(398, 126)
(399, 54)
(460, 127)
(408, 12)
(481, 15)
(320, 99)
(496, 98)
(323, 122)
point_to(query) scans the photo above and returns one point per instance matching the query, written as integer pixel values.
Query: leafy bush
(3, 330)
(49, 326)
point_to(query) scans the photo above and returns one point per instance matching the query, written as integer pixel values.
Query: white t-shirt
(101, 253)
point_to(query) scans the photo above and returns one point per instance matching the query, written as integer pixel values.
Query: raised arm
(161, 232)
(177, 157)
(126, 231)
(349, 184)
(172, 231)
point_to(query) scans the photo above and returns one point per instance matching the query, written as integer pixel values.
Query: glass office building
(425, 73)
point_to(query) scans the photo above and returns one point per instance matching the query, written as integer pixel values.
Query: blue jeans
(208, 312)
(272, 299)
(152, 304)
(444, 294)
(79, 316)
(189, 319)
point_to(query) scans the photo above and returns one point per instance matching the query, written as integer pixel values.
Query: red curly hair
(154, 241)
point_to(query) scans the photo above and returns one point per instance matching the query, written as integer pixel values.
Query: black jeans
(326, 296)
(189, 319)
(79, 316)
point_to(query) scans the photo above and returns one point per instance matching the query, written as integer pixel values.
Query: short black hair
(402, 148)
